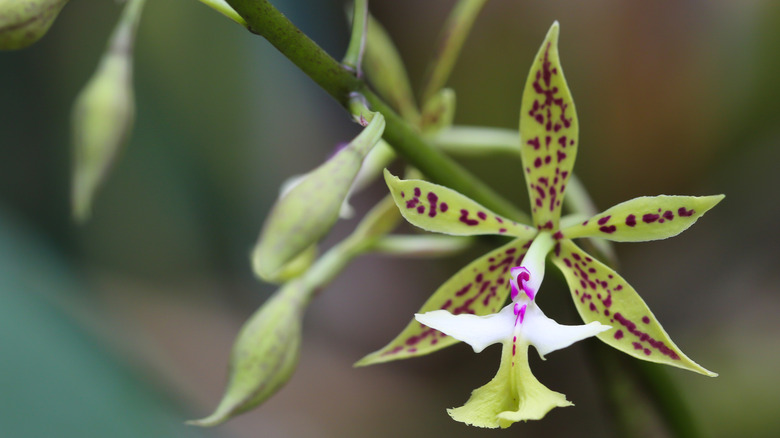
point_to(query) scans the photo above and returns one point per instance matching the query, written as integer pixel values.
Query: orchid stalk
(469, 306)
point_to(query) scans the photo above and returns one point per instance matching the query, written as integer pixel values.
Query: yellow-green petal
(440, 209)
(600, 294)
(645, 218)
(513, 395)
(480, 288)
(549, 131)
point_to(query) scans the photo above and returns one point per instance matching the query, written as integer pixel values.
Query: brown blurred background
(123, 327)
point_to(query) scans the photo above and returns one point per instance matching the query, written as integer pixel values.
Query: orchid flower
(549, 129)
(514, 394)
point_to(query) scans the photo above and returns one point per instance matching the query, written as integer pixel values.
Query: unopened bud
(265, 354)
(439, 112)
(308, 211)
(23, 22)
(103, 114)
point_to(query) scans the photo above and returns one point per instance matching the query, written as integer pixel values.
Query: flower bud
(23, 22)
(265, 354)
(308, 211)
(439, 112)
(103, 114)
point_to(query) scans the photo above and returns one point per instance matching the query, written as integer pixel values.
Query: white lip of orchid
(520, 321)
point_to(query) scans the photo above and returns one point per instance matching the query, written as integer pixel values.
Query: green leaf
(480, 288)
(440, 209)
(549, 129)
(308, 211)
(645, 218)
(513, 395)
(265, 354)
(600, 294)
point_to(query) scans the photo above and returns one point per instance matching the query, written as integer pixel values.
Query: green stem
(357, 43)
(265, 20)
(465, 141)
(454, 33)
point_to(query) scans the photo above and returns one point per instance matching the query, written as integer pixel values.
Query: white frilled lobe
(514, 394)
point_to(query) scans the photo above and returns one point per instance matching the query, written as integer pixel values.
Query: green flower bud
(103, 114)
(385, 70)
(264, 354)
(308, 210)
(439, 112)
(292, 269)
(23, 22)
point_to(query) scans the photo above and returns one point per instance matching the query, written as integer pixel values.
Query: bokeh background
(122, 327)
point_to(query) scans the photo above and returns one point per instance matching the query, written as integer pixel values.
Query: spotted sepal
(600, 294)
(437, 208)
(645, 218)
(549, 131)
(480, 288)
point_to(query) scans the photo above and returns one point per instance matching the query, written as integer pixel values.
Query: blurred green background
(122, 328)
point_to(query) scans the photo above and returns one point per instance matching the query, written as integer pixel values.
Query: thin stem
(265, 20)
(465, 141)
(386, 72)
(357, 42)
(454, 33)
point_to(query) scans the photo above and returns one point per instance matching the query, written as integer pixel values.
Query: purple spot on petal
(464, 217)
(650, 218)
(604, 220)
(443, 207)
(619, 334)
(631, 220)
(684, 213)
(432, 200)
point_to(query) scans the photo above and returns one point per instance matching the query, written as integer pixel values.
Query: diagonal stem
(265, 20)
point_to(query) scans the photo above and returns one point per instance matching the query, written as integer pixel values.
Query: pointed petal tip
(388, 175)
(554, 31)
